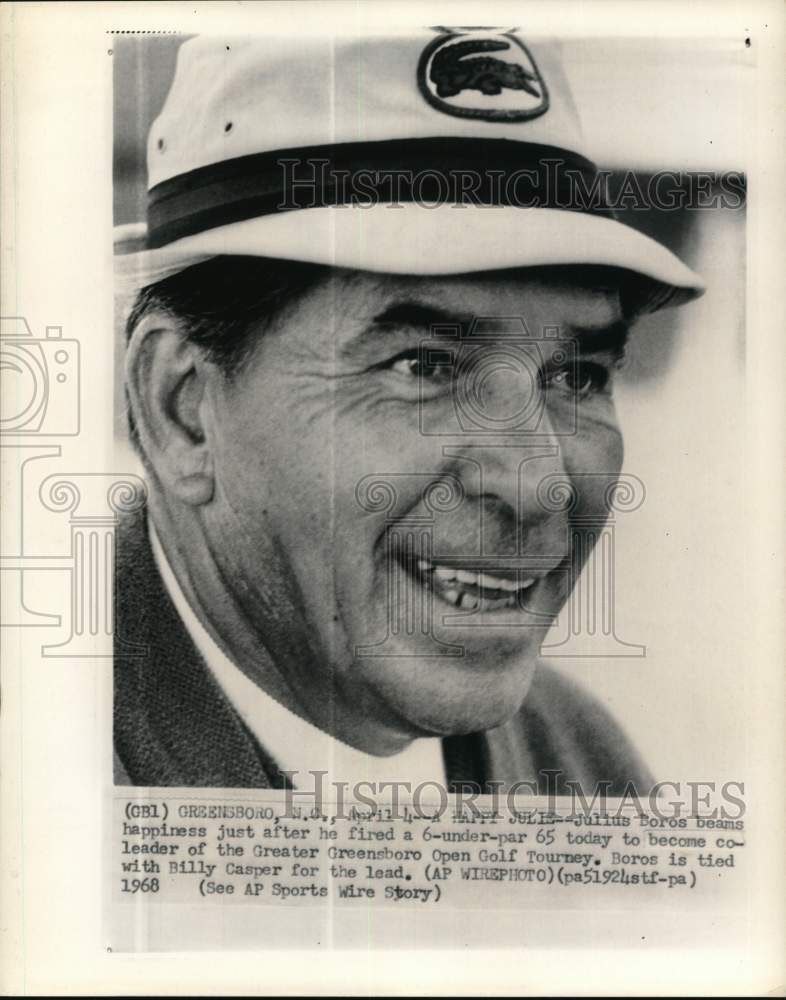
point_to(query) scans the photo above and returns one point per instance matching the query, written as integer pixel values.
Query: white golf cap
(446, 151)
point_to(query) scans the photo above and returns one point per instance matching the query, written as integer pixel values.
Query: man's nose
(502, 391)
(512, 471)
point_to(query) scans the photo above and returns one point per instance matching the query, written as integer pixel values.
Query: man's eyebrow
(598, 339)
(411, 315)
(422, 316)
(418, 315)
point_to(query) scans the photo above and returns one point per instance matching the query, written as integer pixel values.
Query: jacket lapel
(173, 726)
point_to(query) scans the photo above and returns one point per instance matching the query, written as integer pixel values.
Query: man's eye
(433, 366)
(581, 379)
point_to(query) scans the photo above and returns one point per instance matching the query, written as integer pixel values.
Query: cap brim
(413, 239)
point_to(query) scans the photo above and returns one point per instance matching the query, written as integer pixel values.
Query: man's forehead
(547, 297)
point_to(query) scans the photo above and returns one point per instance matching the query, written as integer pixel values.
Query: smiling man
(362, 345)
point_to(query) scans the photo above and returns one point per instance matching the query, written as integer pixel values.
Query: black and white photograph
(392, 538)
(378, 313)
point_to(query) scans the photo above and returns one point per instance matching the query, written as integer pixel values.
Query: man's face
(363, 484)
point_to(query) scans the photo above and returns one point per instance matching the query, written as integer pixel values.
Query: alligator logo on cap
(482, 73)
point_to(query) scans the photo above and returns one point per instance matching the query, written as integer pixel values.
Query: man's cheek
(365, 546)
(597, 447)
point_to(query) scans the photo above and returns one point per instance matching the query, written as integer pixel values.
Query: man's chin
(474, 718)
(488, 706)
(443, 696)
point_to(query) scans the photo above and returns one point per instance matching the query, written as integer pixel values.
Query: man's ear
(166, 378)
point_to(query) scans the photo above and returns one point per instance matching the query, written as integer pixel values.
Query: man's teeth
(486, 581)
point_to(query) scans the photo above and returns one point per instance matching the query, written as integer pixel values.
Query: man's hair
(224, 305)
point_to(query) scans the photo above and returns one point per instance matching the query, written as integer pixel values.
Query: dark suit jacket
(173, 726)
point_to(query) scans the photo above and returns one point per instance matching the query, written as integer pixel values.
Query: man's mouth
(473, 588)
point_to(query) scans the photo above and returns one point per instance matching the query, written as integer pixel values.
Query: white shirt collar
(293, 743)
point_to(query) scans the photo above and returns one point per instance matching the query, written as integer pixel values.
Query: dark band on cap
(490, 172)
